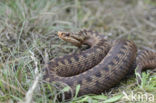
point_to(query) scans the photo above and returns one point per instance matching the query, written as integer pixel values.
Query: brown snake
(101, 66)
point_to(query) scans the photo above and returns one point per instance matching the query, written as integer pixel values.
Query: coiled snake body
(101, 66)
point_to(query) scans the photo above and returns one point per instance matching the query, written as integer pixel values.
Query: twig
(29, 94)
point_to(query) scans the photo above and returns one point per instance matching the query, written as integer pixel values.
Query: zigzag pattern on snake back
(101, 66)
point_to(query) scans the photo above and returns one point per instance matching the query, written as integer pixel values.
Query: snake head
(76, 40)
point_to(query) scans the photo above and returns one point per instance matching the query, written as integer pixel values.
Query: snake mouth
(76, 40)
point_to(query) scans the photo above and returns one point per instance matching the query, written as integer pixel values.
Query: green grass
(28, 40)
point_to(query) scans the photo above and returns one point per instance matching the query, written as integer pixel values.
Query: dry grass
(31, 25)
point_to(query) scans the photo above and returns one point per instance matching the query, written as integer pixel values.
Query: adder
(101, 66)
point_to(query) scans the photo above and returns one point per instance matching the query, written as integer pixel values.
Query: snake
(100, 67)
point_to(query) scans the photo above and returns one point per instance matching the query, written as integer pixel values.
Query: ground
(28, 40)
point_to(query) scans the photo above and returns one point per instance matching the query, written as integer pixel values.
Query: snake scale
(101, 66)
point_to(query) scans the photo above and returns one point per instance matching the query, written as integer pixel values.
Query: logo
(138, 97)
